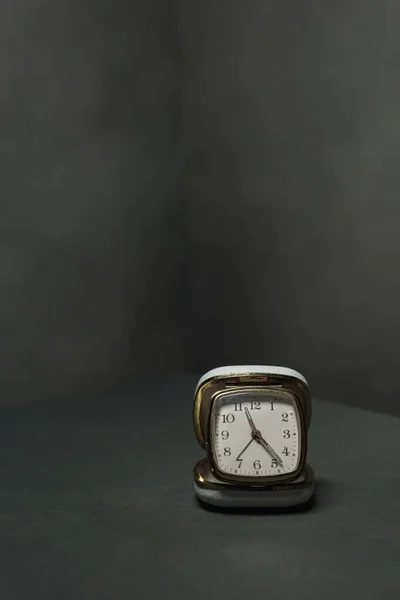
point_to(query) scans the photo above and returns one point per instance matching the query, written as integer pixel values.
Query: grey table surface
(96, 501)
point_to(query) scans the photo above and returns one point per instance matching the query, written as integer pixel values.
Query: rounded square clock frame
(228, 381)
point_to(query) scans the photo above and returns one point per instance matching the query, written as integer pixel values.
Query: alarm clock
(252, 422)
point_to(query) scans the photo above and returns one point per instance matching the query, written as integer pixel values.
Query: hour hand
(245, 448)
(250, 420)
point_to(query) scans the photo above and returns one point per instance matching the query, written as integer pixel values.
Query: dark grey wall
(277, 243)
(293, 138)
(90, 236)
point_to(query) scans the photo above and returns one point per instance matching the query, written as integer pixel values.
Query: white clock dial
(256, 433)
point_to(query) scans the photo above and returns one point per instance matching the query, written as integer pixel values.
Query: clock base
(283, 495)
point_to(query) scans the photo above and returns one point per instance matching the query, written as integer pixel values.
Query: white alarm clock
(252, 422)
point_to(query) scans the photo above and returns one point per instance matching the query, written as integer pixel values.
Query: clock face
(255, 433)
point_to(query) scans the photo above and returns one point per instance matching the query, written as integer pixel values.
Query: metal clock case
(252, 422)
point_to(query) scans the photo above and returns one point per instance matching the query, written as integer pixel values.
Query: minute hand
(260, 439)
(250, 420)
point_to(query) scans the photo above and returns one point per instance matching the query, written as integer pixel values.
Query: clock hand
(250, 420)
(256, 434)
(245, 448)
(259, 438)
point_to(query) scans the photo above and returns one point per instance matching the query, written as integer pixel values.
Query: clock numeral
(238, 406)
(286, 434)
(225, 434)
(228, 418)
(227, 451)
(285, 417)
(255, 405)
(274, 463)
(240, 460)
(286, 451)
(257, 464)
(272, 405)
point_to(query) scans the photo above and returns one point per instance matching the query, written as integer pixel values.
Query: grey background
(199, 183)
(90, 216)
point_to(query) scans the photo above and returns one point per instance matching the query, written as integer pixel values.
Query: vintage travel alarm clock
(252, 421)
